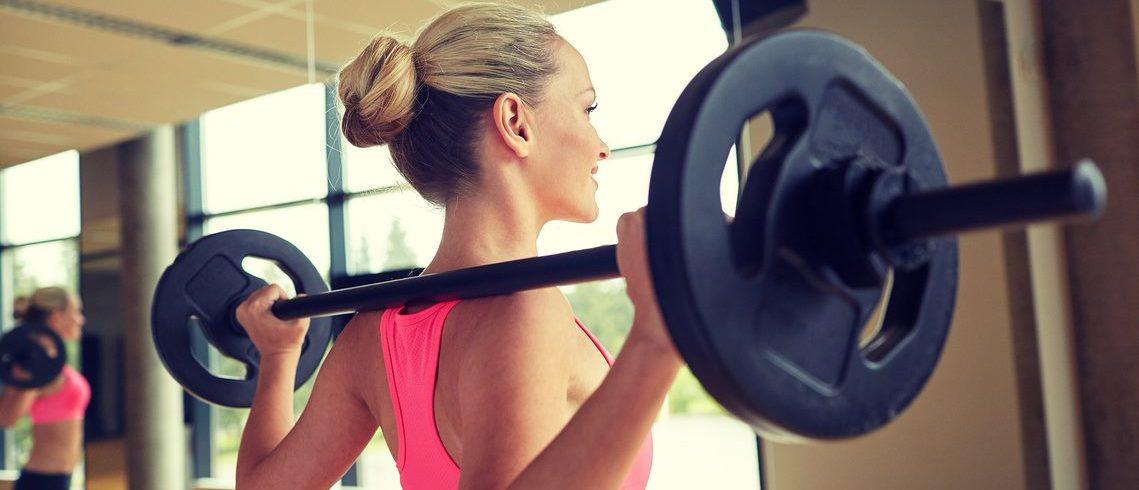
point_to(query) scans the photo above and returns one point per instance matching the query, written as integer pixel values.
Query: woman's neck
(492, 227)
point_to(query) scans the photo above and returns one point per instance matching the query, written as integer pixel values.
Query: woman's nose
(604, 151)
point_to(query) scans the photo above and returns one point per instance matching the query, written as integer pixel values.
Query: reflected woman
(57, 408)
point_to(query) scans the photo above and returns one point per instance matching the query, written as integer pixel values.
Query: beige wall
(99, 173)
(963, 431)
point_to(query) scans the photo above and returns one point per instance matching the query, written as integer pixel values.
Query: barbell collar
(1079, 191)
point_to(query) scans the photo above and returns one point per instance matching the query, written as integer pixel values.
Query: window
(265, 151)
(366, 169)
(40, 199)
(391, 231)
(641, 55)
(304, 225)
(54, 263)
(389, 225)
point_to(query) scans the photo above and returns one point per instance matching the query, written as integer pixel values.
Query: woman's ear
(513, 122)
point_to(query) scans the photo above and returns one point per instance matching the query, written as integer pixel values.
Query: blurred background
(245, 87)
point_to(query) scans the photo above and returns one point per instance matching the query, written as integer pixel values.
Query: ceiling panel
(179, 86)
(549, 7)
(196, 15)
(274, 32)
(146, 105)
(84, 45)
(333, 43)
(16, 153)
(34, 65)
(24, 136)
(75, 132)
(338, 45)
(287, 34)
(16, 88)
(8, 89)
(22, 139)
(370, 17)
(185, 69)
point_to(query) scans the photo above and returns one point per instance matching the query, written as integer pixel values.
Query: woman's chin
(579, 215)
(588, 216)
(585, 212)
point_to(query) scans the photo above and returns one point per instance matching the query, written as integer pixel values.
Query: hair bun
(378, 90)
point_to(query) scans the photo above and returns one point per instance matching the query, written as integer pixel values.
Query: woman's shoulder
(538, 306)
(511, 342)
(533, 318)
(363, 329)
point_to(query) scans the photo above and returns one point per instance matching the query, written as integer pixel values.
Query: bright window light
(39, 200)
(641, 54)
(264, 151)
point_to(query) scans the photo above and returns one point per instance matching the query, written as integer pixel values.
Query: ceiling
(83, 74)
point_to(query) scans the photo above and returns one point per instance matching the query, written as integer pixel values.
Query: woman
(486, 115)
(57, 408)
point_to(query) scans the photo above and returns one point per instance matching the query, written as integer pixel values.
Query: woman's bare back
(587, 369)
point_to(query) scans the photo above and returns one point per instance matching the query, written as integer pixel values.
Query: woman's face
(567, 147)
(68, 322)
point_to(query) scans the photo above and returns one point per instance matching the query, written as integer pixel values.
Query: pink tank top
(68, 403)
(411, 354)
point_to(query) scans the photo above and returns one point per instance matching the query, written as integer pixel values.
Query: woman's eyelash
(591, 108)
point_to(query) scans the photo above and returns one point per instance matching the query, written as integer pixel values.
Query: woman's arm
(601, 442)
(14, 403)
(332, 431)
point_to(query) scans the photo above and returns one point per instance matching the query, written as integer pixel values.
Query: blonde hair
(425, 99)
(41, 303)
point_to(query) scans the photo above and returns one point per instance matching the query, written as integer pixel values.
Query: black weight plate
(22, 346)
(201, 288)
(769, 331)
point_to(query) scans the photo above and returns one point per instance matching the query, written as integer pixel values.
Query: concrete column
(156, 443)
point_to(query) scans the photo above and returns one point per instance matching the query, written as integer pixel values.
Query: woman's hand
(20, 374)
(270, 334)
(648, 324)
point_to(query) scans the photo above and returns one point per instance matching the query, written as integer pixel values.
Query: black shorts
(34, 480)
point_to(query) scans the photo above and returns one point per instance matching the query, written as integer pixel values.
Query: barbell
(767, 307)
